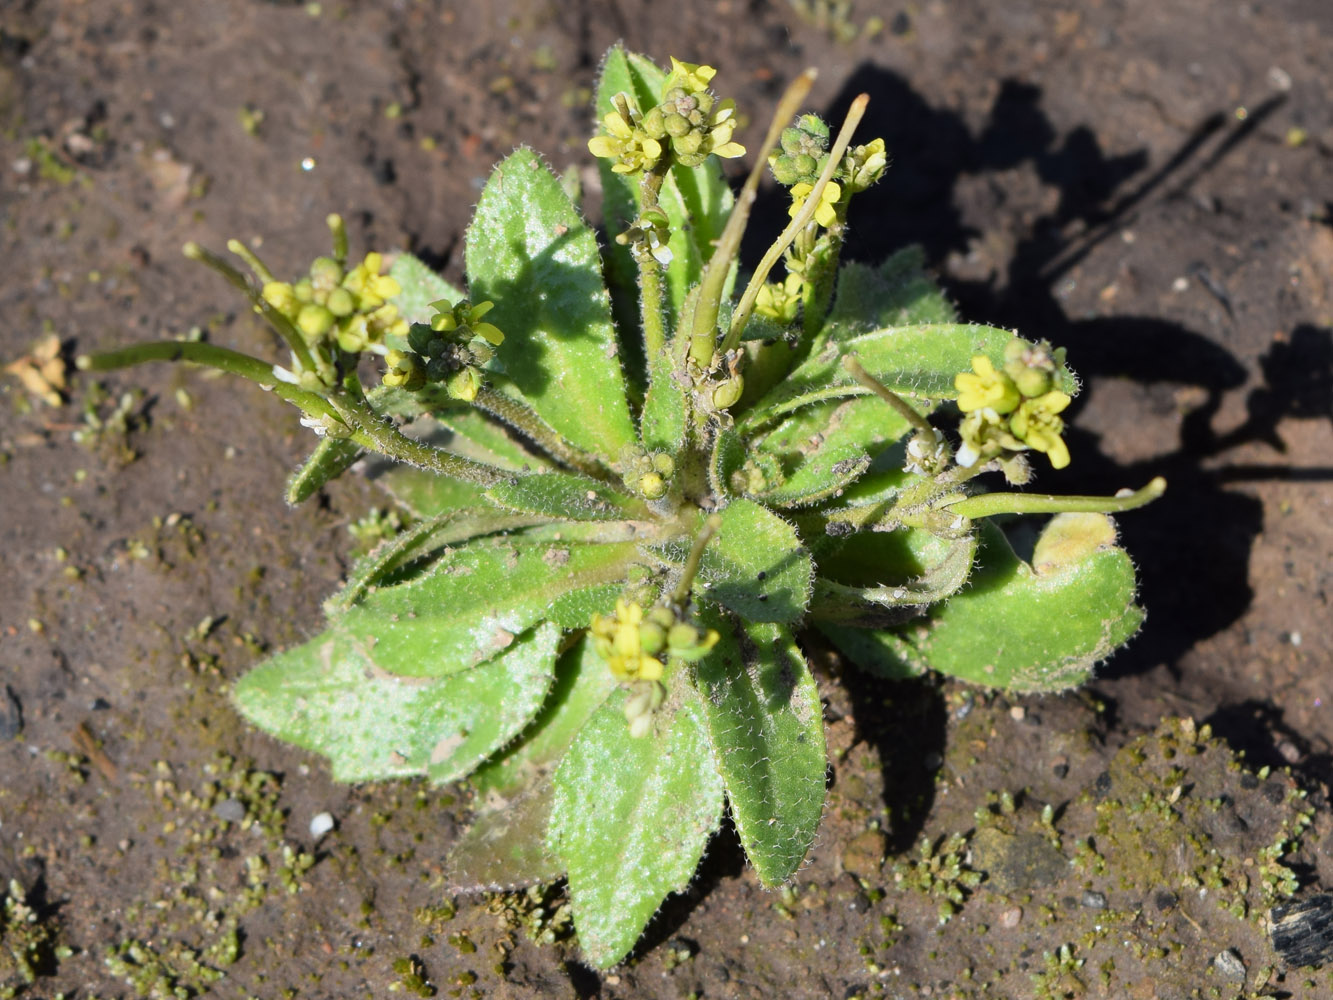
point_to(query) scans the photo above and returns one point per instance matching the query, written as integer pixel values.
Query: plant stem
(990, 504)
(379, 435)
(211, 356)
(703, 326)
(681, 596)
(542, 434)
(899, 405)
(651, 316)
(812, 202)
(275, 319)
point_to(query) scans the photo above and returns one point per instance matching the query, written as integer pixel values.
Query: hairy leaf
(327, 696)
(472, 604)
(420, 287)
(631, 818)
(756, 565)
(873, 579)
(824, 448)
(897, 293)
(529, 251)
(330, 459)
(766, 724)
(566, 495)
(1039, 627)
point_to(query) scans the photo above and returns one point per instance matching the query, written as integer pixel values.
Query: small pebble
(231, 810)
(320, 824)
(1093, 900)
(1018, 713)
(1290, 752)
(1229, 964)
(1010, 918)
(1060, 766)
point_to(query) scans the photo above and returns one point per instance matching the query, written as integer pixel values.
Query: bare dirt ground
(1147, 183)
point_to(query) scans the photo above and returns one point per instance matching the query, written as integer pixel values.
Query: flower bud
(652, 486)
(314, 321)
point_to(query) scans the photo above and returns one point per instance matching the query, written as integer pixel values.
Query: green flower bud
(652, 638)
(282, 297)
(664, 464)
(304, 291)
(652, 486)
(340, 302)
(314, 321)
(404, 369)
(325, 274)
(464, 384)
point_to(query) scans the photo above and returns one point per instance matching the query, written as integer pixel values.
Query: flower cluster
(638, 644)
(450, 350)
(648, 475)
(802, 155)
(687, 126)
(333, 305)
(1014, 409)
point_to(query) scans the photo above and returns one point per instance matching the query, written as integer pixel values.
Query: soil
(1146, 183)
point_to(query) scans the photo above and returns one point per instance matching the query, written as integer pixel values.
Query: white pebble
(321, 824)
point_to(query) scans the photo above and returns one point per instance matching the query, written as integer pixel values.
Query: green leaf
(631, 818)
(756, 566)
(727, 459)
(330, 459)
(473, 604)
(566, 495)
(917, 362)
(897, 293)
(530, 253)
(505, 847)
(1039, 627)
(421, 286)
(766, 725)
(327, 696)
(824, 448)
(909, 592)
(397, 559)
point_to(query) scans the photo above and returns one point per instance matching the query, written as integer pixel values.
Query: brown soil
(1146, 183)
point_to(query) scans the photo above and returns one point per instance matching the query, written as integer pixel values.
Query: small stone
(1060, 767)
(1290, 752)
(230, 810)
(1229, 965)
(321, 823)
(1011, 917)
(1093, 900)
(1165, 900)
(1018, 713)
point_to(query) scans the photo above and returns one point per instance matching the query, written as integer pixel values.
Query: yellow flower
(620, 640)
(826, 214)
(688, 76)
(1036, 423)
(624, 141)
(864, 165)
(987, 388)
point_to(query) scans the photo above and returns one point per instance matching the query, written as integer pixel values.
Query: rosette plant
(632, 507)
